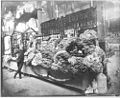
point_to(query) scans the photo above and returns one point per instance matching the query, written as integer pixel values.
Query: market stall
(73, 57)
(78, 58)
(73, 54)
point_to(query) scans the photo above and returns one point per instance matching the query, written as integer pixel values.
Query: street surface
(29, 86)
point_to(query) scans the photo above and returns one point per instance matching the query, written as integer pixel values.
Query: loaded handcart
(72, 57)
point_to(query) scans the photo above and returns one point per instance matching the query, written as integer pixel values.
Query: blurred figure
(20, 60)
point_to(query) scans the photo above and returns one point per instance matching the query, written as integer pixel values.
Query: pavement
(32, 87)
(113, 69)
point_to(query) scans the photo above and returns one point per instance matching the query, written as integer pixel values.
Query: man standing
(20, 60)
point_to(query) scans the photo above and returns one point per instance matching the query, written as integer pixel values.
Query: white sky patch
(8, 15)
(32, 23)
(21, 27)
(9, 25)
(43, 3)
(19, 12)
(28, 7)
(7, 45)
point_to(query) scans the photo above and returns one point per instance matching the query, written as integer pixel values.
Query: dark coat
(20, 55)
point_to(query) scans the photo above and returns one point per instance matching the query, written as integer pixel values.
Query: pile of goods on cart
(72, 55)
(68, 57)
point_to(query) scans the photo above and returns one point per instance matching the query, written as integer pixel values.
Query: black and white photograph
(60, 48)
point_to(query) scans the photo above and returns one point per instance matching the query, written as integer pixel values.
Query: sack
(37, 59)
(30, 58)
